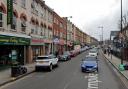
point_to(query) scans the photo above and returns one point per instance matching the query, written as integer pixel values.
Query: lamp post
(121, 34)
(102, 33)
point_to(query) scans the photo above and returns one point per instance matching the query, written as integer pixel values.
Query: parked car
(89, 64)
(47, 61)
(72, 53)
(66, 56)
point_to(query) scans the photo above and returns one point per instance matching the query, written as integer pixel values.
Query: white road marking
(93, 81)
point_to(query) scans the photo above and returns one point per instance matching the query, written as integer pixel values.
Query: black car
(66, 56)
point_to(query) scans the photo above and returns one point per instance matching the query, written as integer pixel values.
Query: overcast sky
(88, 15)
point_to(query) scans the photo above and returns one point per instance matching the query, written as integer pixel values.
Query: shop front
(13, 48)
(48, 46)
(37, 47)
(61, 46)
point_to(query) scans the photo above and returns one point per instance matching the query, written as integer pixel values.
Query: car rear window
(92, 51)
(42, 58)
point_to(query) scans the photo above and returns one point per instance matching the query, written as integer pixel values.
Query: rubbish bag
(121, 67)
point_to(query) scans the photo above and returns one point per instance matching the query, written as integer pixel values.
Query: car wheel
(50, 67)
(57, 65)
(97, 70)
(82, 70)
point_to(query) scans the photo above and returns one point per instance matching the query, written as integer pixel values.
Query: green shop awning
(13, 40)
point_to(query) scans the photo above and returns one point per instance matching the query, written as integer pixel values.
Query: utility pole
(102, 33)
(121, 34)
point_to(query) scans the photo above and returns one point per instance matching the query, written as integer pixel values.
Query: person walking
(109, 51)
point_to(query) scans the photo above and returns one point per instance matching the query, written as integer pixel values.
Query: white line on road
(92, 81)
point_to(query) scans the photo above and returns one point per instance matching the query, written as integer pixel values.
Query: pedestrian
(56, 53)
(109, 51)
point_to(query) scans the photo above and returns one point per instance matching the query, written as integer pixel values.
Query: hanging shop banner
(12, 40)
(9, 11)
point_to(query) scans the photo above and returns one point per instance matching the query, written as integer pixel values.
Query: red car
(73, 53)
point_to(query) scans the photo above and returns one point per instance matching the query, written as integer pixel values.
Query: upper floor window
(15, 1)
(32, 31)
(23, 26)
(1, 17)
(14, 22)
(36, 30)
(23, 3)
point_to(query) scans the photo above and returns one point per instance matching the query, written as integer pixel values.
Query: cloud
(89, 14)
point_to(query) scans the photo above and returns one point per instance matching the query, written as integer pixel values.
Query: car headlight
(83, 65)
(95, 66)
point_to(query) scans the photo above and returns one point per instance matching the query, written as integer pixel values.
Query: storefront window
(23, 3)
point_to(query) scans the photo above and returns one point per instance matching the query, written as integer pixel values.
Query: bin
(15, 71)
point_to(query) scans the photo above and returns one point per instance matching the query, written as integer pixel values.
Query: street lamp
(121, 33)
(102, 33)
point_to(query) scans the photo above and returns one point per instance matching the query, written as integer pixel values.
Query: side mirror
(98, 60)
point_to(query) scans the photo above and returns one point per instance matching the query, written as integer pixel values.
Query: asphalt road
(69, 76)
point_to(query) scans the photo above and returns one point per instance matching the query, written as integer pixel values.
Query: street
(69, 76)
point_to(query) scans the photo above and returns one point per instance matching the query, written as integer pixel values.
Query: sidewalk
(5, 75)
(116, 62)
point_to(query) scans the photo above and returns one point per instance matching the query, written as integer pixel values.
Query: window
(14, 22)
(36, 31)
(15, 1)
(42, 31)
(36, 12)
(23, 3)
(42, 15)
(33, 5)
(32, 31)
(23, 26)
(1, 19)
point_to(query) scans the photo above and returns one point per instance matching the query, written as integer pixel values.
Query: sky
(89, 15)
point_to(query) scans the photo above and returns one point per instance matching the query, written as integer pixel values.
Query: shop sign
(11, 40)
(47, 41)
(56, 40)
(9, 11)
(36, 41)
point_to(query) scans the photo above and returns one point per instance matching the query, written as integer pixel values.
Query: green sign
(9, 11)
(11, 40)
